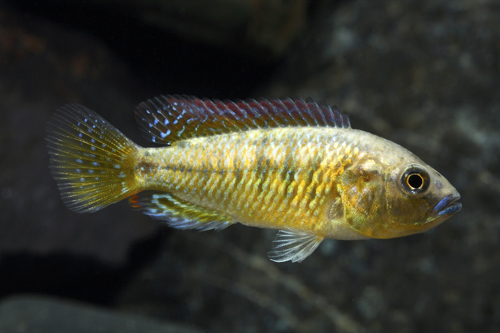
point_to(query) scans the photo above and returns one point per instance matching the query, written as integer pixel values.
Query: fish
(287, 164)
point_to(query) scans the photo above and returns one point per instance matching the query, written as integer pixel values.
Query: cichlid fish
(285, 164)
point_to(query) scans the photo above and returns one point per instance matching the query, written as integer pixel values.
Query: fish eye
(415, 179)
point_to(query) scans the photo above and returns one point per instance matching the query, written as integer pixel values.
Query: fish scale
(285, 164)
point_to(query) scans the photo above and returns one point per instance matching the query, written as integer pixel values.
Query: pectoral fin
(293, 245)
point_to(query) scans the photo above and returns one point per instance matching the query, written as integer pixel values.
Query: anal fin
(293, 245)
(178, 213)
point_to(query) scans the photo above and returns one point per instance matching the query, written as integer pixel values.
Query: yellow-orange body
(277, 178)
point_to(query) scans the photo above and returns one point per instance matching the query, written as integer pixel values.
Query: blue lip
(448, 205)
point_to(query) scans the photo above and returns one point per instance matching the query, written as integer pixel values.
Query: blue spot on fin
(170, 118)
(72, 132)
(179, 213)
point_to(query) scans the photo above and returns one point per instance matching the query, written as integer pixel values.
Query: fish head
(384, 199)
(418, 198)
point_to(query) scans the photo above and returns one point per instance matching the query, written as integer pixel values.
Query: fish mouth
(448, 205)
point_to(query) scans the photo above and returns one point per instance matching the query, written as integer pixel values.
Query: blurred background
(422, 73)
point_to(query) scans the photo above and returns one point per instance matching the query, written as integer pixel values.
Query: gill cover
(363, 197)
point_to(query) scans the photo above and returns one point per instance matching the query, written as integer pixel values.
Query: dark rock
(35, 314)
(263, 30)
(41, 68)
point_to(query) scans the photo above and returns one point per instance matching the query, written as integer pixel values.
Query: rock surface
(35, 314)
(41, 68)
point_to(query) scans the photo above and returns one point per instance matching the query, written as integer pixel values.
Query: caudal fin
(91, 160)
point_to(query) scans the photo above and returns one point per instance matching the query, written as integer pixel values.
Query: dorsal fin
(170, 118)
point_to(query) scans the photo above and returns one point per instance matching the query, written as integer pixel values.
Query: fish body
(284, 164)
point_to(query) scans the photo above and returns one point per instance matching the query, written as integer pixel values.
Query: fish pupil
(414, 181)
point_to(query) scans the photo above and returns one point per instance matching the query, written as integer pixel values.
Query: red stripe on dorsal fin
(170, 118)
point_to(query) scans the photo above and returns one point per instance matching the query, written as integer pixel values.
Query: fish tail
(92, 162)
